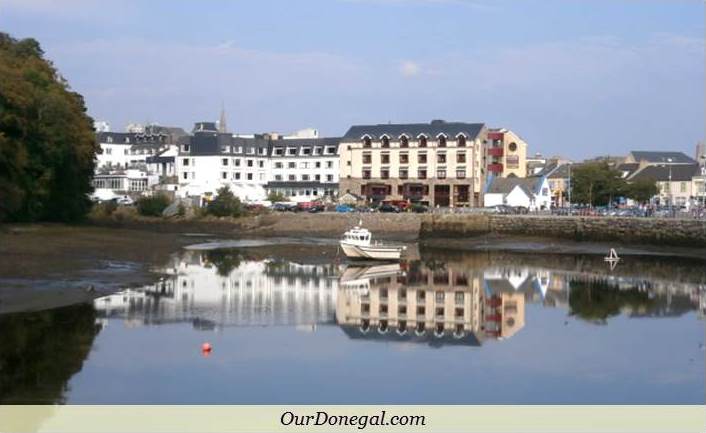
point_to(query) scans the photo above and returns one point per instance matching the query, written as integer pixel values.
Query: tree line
(47, 141)
(599, 184)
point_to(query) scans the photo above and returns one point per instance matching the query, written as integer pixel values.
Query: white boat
(357, 244)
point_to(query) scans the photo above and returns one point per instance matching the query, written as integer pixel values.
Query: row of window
(305, 164)
(305, 151)
(237, 176)
(403, 173)
(402, 311)
(404, 158)
(306, 192)
(109, 151)
(439, 296)
(422, 141)
(239, 149)
(304, 177)
(236, 162)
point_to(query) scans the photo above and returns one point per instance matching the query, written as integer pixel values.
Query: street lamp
(568, 187)
(669, 185)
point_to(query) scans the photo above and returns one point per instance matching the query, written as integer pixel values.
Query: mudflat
(48, 265)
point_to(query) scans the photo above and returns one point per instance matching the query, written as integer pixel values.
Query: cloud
(409, 68)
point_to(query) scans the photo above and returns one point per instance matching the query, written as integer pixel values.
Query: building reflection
(465, 300)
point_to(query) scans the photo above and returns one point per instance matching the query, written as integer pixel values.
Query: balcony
(495, 168)
(495, 151)
(495, 135)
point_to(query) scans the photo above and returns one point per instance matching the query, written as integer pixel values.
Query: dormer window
(461, 141)
(385, 141)
(404, 141)
(367, 143)
(442, 141)
(423, 141)
(109, 139)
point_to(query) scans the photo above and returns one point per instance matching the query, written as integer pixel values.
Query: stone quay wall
(656, 231)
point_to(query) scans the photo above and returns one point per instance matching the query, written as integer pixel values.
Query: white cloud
(409, 68)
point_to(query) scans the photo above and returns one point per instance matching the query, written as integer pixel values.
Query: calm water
(449, 328)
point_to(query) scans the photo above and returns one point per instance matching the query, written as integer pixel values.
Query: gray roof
(680, 173)
(432, 129)
(301, 184)
(504, 185)
(661, 157)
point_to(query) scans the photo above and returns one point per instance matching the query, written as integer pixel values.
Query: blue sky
(573, 77)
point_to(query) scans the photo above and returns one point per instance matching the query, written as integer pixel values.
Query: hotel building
(438, 163)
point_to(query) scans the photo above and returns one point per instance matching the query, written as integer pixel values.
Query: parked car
(284, 207)
(388, 208)
(419, 208)
(316, 208)
(125, 200)
(343, 208)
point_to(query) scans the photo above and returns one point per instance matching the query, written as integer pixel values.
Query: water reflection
(40, 352)
(463, 299)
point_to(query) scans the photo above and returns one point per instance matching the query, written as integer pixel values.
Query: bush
(104, 209)
(275, 197)
(225, 204)
(152, 206)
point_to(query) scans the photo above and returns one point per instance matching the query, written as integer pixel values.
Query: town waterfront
(290, 321)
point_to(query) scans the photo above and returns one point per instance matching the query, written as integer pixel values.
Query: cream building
(506, 154)
(437, 163)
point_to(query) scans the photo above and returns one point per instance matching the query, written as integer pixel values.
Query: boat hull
(372, 252)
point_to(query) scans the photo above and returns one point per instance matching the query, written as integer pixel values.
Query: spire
(222, 127)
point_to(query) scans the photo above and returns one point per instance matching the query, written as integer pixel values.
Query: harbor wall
(656, 231)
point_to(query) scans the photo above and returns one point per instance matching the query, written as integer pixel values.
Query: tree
(152, 206)
(47, 143)
(642, 190)
(225, 204)
(274, 197)
(596, 183)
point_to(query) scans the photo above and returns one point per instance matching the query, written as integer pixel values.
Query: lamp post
(569, 186)
(669, 184)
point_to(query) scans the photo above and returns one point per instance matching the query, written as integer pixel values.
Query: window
(441, 158)
(306, 150)
(367, 158)
(291, 165)
(330, 150)
(292, 151)
(404, 173)
(460, 173)
(318, 151)
(461, 157)
(292, 177)
(439, 297)
(461, 141)
(317, 164)
(442, 141)
(262, 151)
(423, 141)
(329, 164)
(237, 176)
(404, 158)
(185, 175)
(249, 176)
(224, 161)
(404, 141)
(385, 141)
(224, 175)
(458, 298)
(422, 158)
(185, 162)
(422, 173)
(367, 143)
(261, 164)
(237, 162)
(366, 174)
(385, 173)
(329, 178)
(512, 146)
(385, 158)
(317, 177)
(250, 162)
(278, 177)
(278, 165)
(304, 165)
(279, 151)
(441, 173)
(186, 148)
(108, 151)
(683, 187)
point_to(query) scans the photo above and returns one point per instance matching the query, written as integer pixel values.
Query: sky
(576, 78)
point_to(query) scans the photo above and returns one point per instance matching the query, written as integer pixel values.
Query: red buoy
(206, 347)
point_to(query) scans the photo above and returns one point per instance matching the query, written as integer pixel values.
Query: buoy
(206, 348)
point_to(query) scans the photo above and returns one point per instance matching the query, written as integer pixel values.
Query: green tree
(642, 190)
(596, 301)
(596, 183)
(152, 206)
(47, 143)
(275, 197)
(225, 204)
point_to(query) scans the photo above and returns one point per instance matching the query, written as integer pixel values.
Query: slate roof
(432, 129)
(661, 157)
(658, 173)
(504, 185)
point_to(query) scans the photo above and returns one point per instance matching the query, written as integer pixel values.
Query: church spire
(222, 127)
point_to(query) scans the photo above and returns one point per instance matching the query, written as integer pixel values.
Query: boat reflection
(464, 300)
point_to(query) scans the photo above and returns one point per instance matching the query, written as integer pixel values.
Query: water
(449, 328)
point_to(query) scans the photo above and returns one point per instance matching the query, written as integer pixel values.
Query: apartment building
(437, 163)
(209, 159)
(506, 154)
(304, 169)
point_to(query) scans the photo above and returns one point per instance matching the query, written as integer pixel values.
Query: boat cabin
(357, 236)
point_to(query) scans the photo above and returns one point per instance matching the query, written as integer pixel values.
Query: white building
(532, 193)
(209, 160)
(304, 169)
